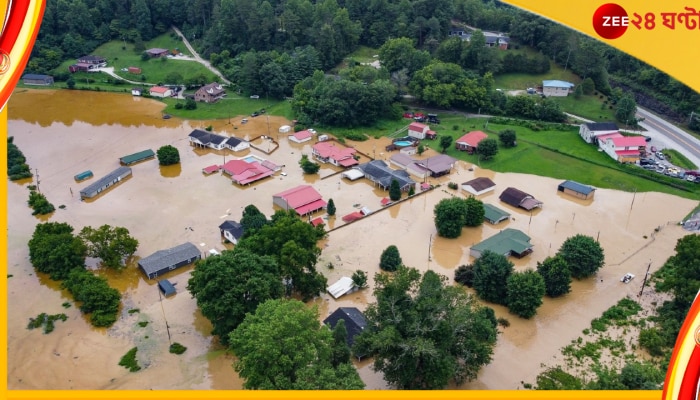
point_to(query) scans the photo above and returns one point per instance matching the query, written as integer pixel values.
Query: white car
(283, 173)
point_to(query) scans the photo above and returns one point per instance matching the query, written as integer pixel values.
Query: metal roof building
(494, 214)
(105, 182)
(137, 157)
(506, 242)
(576, 189)
(166, 260)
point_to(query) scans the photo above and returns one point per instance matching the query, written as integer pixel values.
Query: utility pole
(645, 279)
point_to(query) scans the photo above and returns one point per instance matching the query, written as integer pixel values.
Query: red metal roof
(603, 138)
(211, 169)
(627, 152)
(417, 126)
(246, 172)
(385, 201)
(329, 150)
(301, 135)
(353, 216)
(629, 141)
(348, 162)
(311, 207)
(472, 138)
(300, 196)
(159, 89)
(317, 221)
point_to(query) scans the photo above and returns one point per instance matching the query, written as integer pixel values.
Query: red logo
(610, 21)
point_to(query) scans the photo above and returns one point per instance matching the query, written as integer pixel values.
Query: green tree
(491, 273)
(464, 274)
(359, 278)
(70, 83)
(445, 142)
(487, 149)
(557, 379)
(283, 346)
(340, 353)
(637, 375)
(450, 216)
(54, 250)
(233, 284)
(40, 203)
(421, 149)
(411, 190)
(190, 104)
(252, 220)
(524, 293)
(583, 255)
(475, 212)
(168, 155)
(394, 190)
(556, 274)
(507, 138)
(330, 208)
(390, 259)
(97, 298)
(293, 243)
(309, 167)
(625, 110)
(112, 245)
(424, 332)
(587, 86)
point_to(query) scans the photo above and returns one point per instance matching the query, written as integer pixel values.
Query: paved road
(664, 134)
(200, 59)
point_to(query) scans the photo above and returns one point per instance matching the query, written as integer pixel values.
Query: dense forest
(271, 45)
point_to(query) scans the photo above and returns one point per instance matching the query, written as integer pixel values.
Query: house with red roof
(303, 199)
(625, 149)
(244, 172)
(328, 152)
(160, 91)
(469, 141)
(420, 131)
(301, 136)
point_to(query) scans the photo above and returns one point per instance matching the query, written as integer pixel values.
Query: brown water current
(63, 133)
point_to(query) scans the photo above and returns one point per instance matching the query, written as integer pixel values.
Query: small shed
(167, 288)
(285, 129)
(479, 186)
(105, 182)
(37, 79)
(163, 261)
(83, 176)
(134, 70)
(343, 286)
(137, 157)
(231, 231)
(494, 214)
(577, 190)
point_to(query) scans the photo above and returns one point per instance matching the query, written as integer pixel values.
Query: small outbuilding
(577, 190)
(163, 261)
(518, 198)
(167, 288)
(83, 176)
(37, 79)
(285, 129)
(479, 186)
(344, 286)
(231, 231)
(105, 182)
(508, 242)
(556, 88)
(494, 214)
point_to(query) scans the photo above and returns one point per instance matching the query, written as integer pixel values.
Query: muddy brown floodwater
(63, 133)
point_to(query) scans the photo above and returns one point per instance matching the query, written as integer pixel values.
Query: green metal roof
(136, 157)
(507, 241)
(494, 214)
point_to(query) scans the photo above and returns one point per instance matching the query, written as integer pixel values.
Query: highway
(666, 135)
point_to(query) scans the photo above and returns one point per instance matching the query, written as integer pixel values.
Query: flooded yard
(166, 206)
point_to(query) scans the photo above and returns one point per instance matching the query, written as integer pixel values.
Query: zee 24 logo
(610, 21)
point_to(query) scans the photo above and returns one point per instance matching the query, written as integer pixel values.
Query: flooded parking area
(166, 206)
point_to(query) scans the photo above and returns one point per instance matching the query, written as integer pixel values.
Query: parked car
(647, 161)
(653, 149)
(647, 138)
(660, 155)
(690, 178)
(255, 114)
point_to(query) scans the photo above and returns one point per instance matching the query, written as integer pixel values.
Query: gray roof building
(166, 260)
(355, 323)
(105, 182)
(379, 172)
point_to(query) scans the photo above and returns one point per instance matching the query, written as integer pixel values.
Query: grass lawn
(589, 107)
(231, 106)
(522, 81)
(363, 54)
(678, 159)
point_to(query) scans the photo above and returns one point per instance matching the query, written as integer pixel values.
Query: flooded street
(63, 133)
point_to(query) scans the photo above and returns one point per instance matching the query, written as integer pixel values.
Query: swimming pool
(403, 143)
(250, 159)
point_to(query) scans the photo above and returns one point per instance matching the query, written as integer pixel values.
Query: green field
(229, 107)
(588, 107)
(522, 81)
(678, 159)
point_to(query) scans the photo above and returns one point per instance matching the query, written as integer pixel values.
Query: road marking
(681, 139)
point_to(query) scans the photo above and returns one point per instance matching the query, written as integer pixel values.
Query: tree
(507, 138)
(487, 148)
(228, 286)
(168, 155)
(524, 293)
(411, 190)
(626, 109)
(445, 142)
(420, 150)
(394, 190)
(190, 104)
(97, 298)
(556, 274)
(464, 274)
(390, 259)
(340, 352)
(70, 83)
(424, 332)
(252, 220)
(681, 273)
(475, 212)
(359, 278)
(587, 86)
(330, 208)
(293, 244)
(583, 255)
(283, 346)
(309, 167)
(54, 250)
(641, 376)
(491, 273)
(450, 217)
(112, 245)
